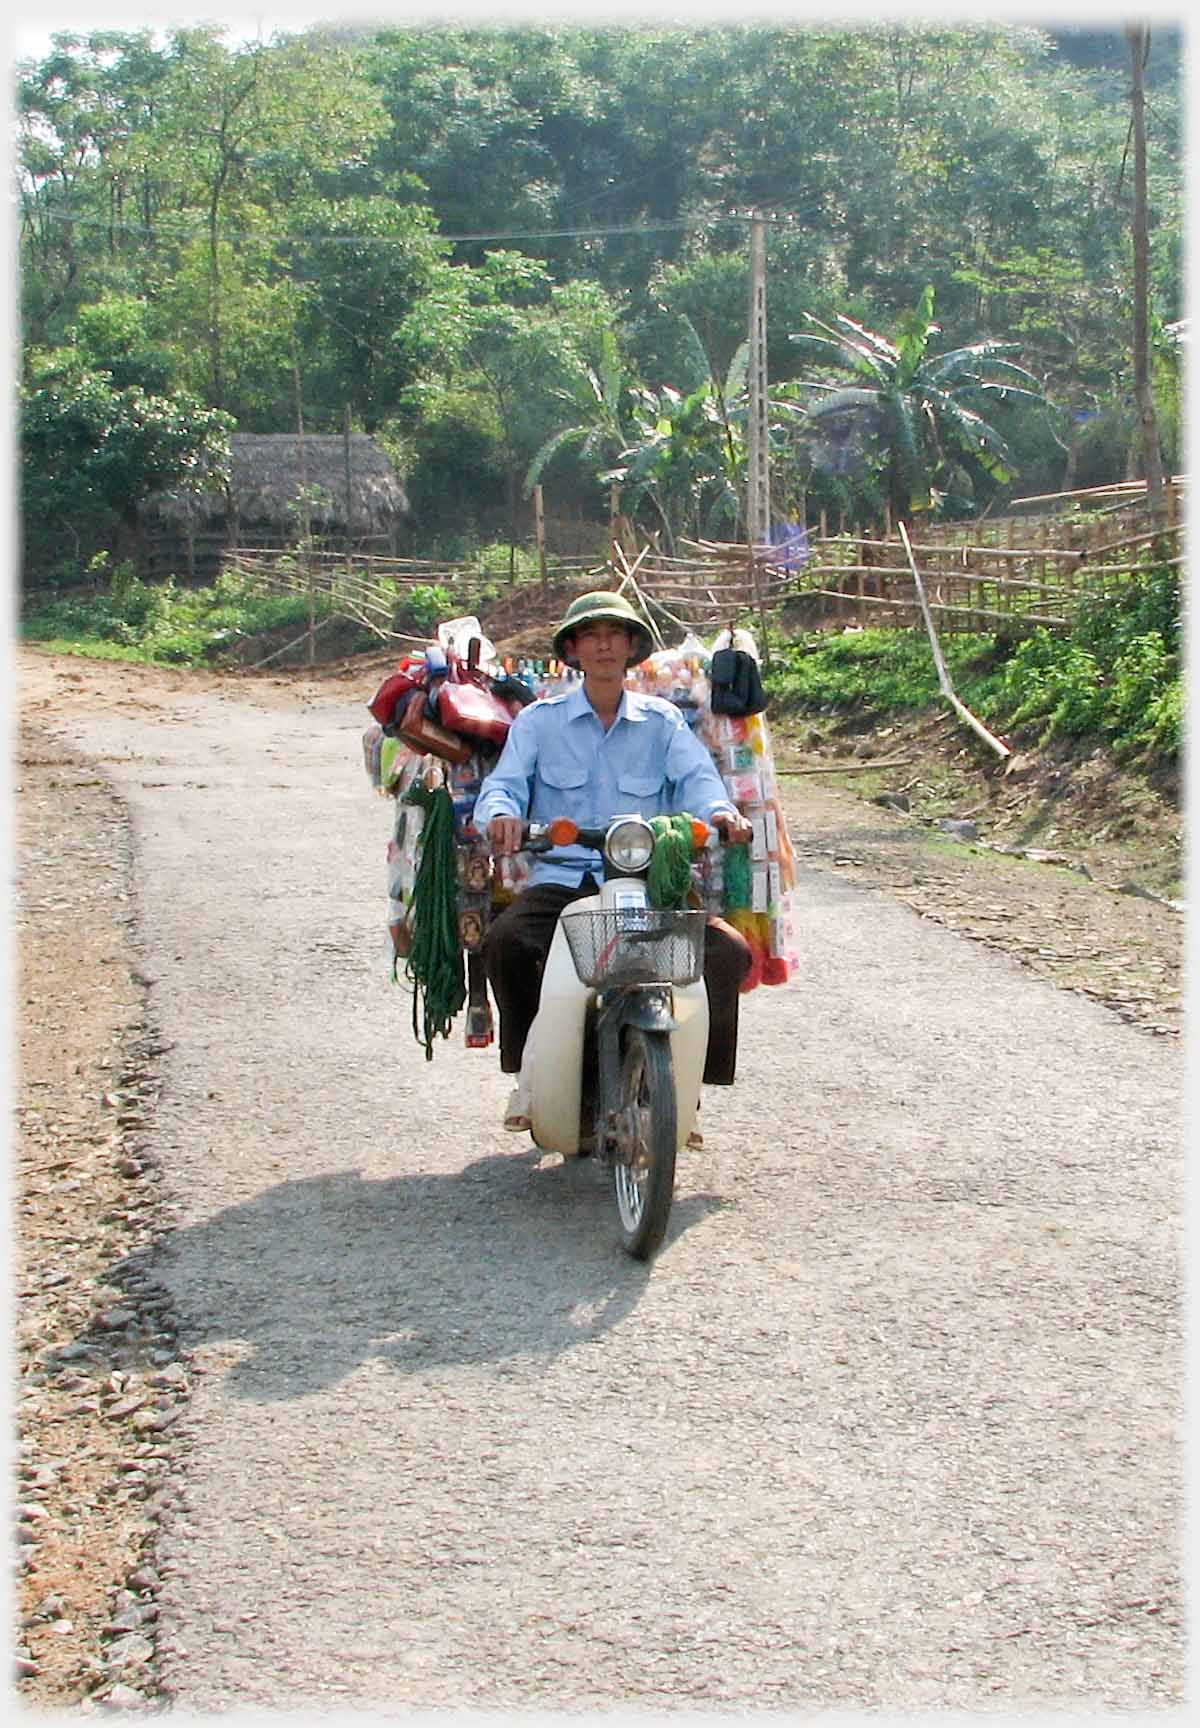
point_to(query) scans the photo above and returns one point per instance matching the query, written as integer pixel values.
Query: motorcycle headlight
(628, 845)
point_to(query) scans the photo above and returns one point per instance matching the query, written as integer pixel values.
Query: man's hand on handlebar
(505, 834)
(735, 829)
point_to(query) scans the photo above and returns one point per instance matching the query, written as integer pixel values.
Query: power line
(599, 233)
(608, 231)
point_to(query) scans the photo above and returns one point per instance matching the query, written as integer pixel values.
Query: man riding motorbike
(599, 751)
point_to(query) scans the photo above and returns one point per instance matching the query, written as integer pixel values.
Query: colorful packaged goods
(718, 690)
(679, 675)
(750, 885)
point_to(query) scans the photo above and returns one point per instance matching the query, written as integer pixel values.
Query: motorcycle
(614, 1058)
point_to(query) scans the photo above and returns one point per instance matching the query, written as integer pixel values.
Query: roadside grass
(885, 671)
(159, 623)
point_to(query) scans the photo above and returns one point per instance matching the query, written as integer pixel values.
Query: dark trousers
(515, 954)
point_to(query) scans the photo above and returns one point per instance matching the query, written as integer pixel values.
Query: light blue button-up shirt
(559, 761)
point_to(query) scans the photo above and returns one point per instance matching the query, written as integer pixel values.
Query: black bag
(736, 683)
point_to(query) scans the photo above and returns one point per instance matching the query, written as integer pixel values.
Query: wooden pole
(539, 522)
(349, 484)
(304, 517)
(1138, 38)
(629, 580)
(944, 683)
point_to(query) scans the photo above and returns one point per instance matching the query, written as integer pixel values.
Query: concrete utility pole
(1137, 36)
(758, 504)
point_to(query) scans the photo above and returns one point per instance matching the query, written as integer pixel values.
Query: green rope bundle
(435, 960)
(737, 878)
(669, 879)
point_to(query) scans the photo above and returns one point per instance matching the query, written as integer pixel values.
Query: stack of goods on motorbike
(441, 719)
(555, 839)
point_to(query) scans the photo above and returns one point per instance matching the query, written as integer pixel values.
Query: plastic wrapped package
(403, 854)
(742, 641)
(464, 781)
(678, 675)
(456, 636)
(398, 767)
(508, 879)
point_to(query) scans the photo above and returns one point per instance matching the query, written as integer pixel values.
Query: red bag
(470, 708)
(387, 702)
(425, 736)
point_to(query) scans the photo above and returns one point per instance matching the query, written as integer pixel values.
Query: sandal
(515, 1119)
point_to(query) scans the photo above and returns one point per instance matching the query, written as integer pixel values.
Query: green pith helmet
(600, 608)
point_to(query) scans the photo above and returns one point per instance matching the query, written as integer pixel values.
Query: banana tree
(687, 458)
(912, 418)
(597, 403)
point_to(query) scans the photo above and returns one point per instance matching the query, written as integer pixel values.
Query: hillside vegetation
(522, 254)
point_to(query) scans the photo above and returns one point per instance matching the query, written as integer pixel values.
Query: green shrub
(1148, 604)
(161, 623)
(884, 670)
(1054, 681)
(1161, 732)
(428, 604)
(1140, 673)
(1116, 677)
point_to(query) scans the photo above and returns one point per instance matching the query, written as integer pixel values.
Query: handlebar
(550, 836)
(539, 837)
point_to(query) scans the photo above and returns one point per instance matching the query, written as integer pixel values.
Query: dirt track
(891, 1423)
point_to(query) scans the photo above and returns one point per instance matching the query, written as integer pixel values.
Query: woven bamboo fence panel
(378, 590)
(1009, 575)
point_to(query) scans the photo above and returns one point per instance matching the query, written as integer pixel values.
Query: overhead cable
(670, 225)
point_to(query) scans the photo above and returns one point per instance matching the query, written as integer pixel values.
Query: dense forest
(519, 255)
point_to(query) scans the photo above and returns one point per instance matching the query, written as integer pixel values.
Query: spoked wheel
(644, 1168)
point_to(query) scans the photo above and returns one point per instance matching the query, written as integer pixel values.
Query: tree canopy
(497, 248)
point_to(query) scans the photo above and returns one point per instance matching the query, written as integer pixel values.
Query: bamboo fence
(1008, 576)
(377, 590)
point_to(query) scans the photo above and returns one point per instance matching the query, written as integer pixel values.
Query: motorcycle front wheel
(644, 1168)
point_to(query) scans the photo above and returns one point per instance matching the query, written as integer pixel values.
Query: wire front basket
(636, 945)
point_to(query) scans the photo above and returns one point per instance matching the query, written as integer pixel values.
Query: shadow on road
(509, 1258)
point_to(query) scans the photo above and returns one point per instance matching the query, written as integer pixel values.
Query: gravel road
(891, 1423)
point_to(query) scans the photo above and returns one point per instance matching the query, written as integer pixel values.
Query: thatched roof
(268, 471)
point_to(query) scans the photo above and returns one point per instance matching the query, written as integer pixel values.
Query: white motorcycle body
(555, 1048)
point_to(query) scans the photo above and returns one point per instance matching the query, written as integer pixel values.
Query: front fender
(652, 1009)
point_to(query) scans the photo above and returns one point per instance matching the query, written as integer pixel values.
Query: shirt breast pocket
(641, 793)
(561, 789)
(563, 776)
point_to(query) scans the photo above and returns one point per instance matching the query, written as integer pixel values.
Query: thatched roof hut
(269, 473)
